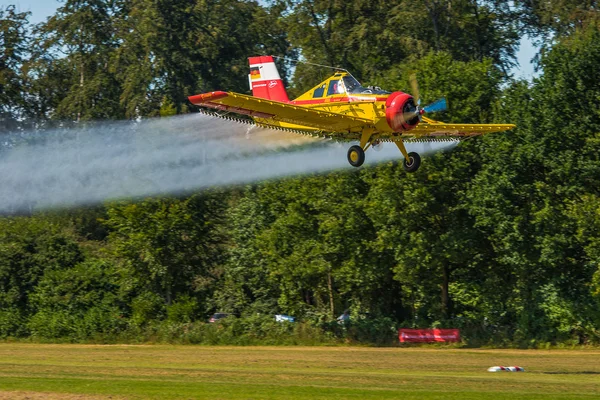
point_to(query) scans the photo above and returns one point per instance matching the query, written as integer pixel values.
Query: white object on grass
(506, 369)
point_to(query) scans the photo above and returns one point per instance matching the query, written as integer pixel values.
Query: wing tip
(200, 99)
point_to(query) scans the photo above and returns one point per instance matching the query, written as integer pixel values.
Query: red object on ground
(428, 335)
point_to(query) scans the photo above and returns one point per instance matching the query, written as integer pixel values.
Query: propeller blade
(415, 88)
(436, 106)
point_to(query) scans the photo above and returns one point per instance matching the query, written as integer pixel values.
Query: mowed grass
(39, 371)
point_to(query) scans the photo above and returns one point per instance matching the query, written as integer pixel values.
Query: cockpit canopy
(340, 84)
(352, 86)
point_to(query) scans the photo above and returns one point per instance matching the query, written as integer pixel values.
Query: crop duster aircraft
(341, 109)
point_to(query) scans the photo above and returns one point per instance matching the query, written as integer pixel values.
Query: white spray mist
(116, 160)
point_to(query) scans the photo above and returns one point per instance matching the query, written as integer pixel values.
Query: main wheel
(356, 156)
(412, 163)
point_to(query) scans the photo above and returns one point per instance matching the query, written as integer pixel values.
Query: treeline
(499, 237)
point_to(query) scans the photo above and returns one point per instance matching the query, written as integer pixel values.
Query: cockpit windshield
(353, 87)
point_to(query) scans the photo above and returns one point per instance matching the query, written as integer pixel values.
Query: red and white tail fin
(265, 81)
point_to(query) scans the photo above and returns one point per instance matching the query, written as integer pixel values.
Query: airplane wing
(276, 112)
(431, 128)
(330, 124)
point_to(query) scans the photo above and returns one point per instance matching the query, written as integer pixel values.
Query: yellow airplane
(342, 109)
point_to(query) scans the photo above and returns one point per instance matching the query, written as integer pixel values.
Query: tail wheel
(412, 163)
(356, 156)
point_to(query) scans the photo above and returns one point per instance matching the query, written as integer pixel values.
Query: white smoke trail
(169, 155)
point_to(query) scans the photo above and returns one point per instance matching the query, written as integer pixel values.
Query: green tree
(436, 248)
(471, 88)
(28, 248)
(551, 19)
(371, 38)
(174, 49)
(167, 248)
(245, 284)
(75, 48)
(523, 195)
(317, 246)
(14, 48)
(79, 303)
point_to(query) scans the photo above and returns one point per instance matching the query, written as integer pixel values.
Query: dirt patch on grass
(53, 396)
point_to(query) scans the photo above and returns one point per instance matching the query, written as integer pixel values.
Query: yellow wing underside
(341, 126)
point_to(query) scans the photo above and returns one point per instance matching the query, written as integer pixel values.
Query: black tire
(356, 156)
(413, 162)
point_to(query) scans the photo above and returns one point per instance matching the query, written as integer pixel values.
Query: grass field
(38, 371)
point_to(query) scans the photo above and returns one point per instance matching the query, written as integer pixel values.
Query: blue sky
(41, 9)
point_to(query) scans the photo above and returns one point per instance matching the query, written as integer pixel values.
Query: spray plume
(116, 160)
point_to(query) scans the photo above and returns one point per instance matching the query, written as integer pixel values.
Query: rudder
(265, 81)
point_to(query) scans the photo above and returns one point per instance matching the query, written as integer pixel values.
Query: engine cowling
(401, 112)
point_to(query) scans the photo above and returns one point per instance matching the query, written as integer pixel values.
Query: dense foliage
(499, 237)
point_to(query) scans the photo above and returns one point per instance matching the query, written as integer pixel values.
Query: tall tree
(523, 196)
(173, 49)
(472, 29)
(168, 247)
(426, 226)
(551, 19)
(246, 285)
(370, 38)
(29, 247)
(75, 49)
(318, 247)
(14, 47)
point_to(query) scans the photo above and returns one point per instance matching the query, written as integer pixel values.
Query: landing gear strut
(356, 154)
